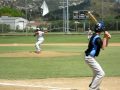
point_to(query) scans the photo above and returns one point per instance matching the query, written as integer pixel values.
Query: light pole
(64, 16)
(67, 17)
(26, 8)
(26, 14)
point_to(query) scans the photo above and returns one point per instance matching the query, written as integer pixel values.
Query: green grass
(34, 68)
(44, 67)
(66, 66)
(52, 38)
(29, 68)
(110, 59)
(48, 39)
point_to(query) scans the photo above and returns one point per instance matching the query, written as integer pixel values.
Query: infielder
(94, 47)
(39, 34)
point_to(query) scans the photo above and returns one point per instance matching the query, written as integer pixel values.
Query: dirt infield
(45, 53)
(57, 44)
(42, 54)
(109, 83)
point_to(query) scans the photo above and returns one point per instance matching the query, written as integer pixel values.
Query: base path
(42, 54)
(57, 44)
(109, 83)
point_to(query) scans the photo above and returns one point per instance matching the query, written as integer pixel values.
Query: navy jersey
(94, 46)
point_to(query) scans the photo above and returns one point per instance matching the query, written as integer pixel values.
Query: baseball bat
(92, 17)
(105, 40)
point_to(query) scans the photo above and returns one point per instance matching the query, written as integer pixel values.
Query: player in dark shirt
(98, 42)
(93, 50)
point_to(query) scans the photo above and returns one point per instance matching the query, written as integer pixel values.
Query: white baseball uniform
(40, 40)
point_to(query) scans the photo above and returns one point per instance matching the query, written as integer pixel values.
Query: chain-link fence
(57, 26)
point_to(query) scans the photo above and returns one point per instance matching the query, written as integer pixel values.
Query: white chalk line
(35, 86)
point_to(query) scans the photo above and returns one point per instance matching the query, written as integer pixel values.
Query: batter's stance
(39, 34)
(94, 47)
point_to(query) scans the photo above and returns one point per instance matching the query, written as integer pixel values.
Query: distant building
(16, 23)
(34, 24)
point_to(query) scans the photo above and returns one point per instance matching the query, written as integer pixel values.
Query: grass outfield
(52, 38)
(48, 67)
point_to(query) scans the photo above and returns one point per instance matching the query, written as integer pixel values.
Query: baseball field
(60, 65)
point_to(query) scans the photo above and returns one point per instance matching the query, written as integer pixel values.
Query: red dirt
(57, 44)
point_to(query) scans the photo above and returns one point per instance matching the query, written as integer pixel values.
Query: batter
(94, 47)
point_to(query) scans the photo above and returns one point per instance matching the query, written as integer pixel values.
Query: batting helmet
(99, 27)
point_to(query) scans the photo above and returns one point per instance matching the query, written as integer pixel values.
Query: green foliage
(56, 25)
(52, 38)
(7, 11)
(117, 7)
(112, 25)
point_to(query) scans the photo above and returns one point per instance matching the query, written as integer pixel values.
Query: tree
(7, 11)
(117, 7)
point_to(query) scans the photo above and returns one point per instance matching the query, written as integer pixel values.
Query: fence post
(116, 25)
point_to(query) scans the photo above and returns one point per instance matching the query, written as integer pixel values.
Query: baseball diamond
(59, 45)
(78, 83)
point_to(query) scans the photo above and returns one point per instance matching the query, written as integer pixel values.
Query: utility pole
(26, 14)
(26, 9)
(67, 16)
(64, 15)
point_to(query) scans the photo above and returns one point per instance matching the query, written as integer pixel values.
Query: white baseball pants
(98, 72)
(37, 45)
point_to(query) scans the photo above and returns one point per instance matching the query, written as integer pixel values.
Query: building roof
(10, 18)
